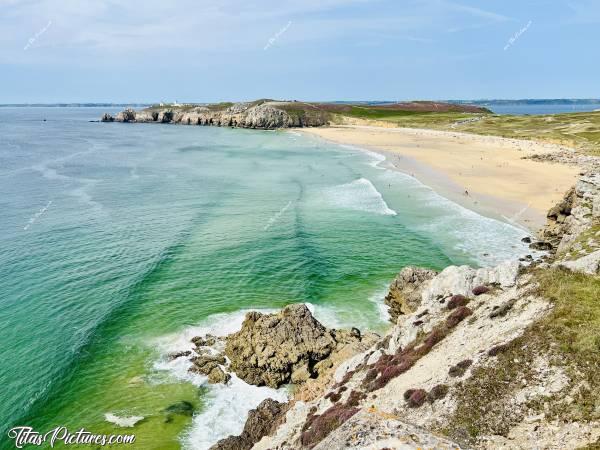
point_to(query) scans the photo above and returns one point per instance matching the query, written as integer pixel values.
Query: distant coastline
(74, 105)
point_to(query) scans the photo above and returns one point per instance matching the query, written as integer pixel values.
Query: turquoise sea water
(120, 242)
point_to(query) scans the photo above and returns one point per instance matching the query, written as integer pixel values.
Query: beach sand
(485, 173)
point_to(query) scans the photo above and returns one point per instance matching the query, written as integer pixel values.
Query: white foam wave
(376, 159)
(327, 316)
(126, 422)
(359, 195)
(225, 406)
(378, 300)
(226, 411)
(462, 231)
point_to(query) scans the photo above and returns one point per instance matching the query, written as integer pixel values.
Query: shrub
(457, 316)
(459, 369)
(498, 349)
(437, 393)
(355, 397)
(416, 398)
(478, 290)
(334, 396)
(408, 393)
(320, 426)
(456, 301)
(370, 376)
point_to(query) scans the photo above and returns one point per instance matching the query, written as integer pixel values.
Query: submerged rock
(183, 408)
(181, 354)
(289, 346)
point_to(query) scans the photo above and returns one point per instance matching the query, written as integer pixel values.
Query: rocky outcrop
(211, 366)
(589, 264)
(261, 422)
(404, 295)
(470, 357)
(289, 346)
(414, 286)
(261, 114)
(576, 212)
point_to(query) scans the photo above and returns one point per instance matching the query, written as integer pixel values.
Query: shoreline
(496, 183)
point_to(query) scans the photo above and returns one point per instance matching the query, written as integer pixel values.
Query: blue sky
(198, 50)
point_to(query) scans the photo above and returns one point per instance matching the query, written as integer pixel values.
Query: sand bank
(484, 173)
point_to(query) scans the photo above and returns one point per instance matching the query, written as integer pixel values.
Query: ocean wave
(466, 233)
(377, 298)
(225, 406)
(359, 195)
(126, 422)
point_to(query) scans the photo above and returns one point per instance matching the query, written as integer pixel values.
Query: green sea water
(121, 242)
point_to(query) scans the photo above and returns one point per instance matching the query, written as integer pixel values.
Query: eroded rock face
(261, 422)
(289, 346)
(262, 115)
(589, 264)
(574, 213)
(404, 296)
(212, 367)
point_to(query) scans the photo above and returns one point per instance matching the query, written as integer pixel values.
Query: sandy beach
(485, 173)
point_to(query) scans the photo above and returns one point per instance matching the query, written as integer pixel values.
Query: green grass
(579, 130)
(575, 321)
(568, 337)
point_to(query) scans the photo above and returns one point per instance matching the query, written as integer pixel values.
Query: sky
(219, 50)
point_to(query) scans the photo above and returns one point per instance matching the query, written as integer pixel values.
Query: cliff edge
(494, 358)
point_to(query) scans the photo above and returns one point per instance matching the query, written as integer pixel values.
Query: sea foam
(359, 195)
(225, 406)
(126, 422)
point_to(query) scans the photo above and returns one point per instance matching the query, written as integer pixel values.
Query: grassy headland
(578, 130)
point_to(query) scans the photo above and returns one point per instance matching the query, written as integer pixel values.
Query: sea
(521, 109)
(121, 242)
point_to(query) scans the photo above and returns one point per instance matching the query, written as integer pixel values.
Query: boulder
(404, 296)
(589, 264)
(126, 116)
(218, 375)
(288, 346)
(210, 365)
(454, 280)
(261, 422)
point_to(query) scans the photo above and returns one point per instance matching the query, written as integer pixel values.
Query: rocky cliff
(496, 358)
(260, 114)
(273, 114)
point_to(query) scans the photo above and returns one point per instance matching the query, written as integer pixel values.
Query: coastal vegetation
(579, 130)
(568, 339)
